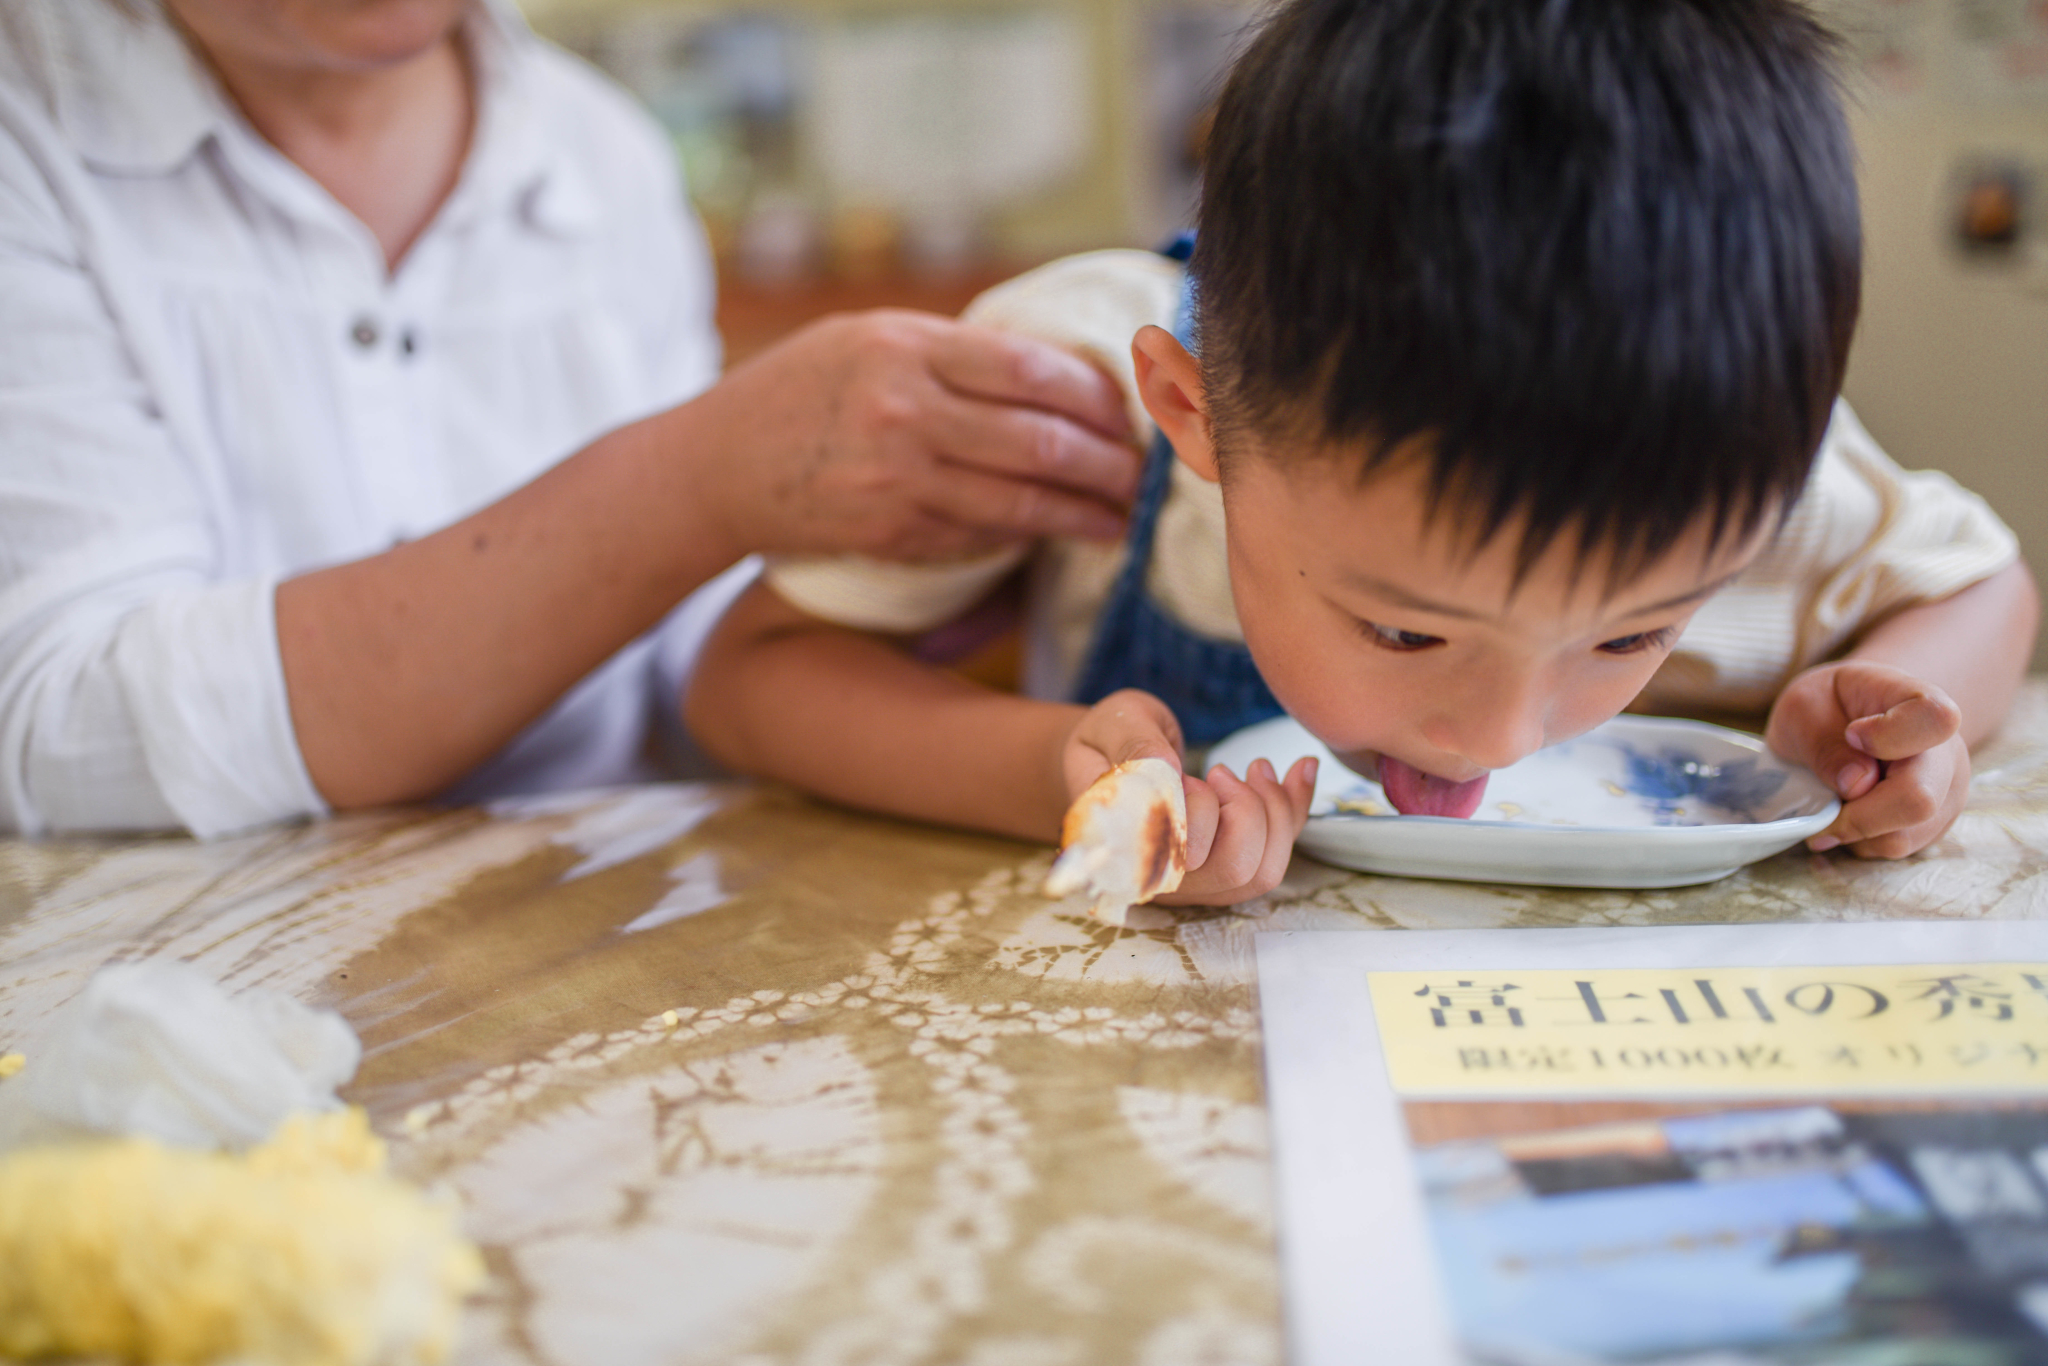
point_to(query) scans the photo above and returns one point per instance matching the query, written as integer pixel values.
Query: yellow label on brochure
(1925, 1029)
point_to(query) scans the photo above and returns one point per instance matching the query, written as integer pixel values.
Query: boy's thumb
(1148, 747)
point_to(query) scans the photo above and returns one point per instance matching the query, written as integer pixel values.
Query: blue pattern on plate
(1666, 779)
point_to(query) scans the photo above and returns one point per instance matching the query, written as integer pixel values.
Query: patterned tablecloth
(725, 1075)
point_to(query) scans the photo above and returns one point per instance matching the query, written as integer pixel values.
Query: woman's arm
(407, 668)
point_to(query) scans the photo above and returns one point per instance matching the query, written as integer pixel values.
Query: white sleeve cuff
(204, 680)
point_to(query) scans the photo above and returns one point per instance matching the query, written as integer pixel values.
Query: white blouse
(209, 382)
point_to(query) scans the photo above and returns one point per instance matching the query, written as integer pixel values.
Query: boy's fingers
(1281, 827)
(1805, 718)
(1807, 726)
(1910, 726)
(1147, 747)
(1850, 774)
(1256, 820)
(1203, 809)
(1806, 735)
(1240, 835)
(1084, 766)
(1912, 795)
(1301, 789)
(1948, 805)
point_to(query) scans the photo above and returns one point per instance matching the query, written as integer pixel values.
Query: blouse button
(364, 333)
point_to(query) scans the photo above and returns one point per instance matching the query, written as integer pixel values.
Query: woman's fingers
(910, 436)
(1011, 369)
(1022, 414)
(993, 504)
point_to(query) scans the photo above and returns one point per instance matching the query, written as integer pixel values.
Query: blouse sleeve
(139, 686)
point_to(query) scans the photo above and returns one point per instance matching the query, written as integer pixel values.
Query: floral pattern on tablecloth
(723, 1075)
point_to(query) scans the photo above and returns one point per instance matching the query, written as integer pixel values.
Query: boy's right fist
(1241, 832)
(1888, 743)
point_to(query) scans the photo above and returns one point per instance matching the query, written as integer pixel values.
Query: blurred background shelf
(752, 317)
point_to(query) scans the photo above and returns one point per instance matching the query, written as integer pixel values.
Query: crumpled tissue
(157, 1050)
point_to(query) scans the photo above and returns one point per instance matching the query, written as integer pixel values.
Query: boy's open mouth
(1415, 793)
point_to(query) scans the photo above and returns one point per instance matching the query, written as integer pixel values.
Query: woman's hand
(910, 436)
(1889, 744)
(1241, 832)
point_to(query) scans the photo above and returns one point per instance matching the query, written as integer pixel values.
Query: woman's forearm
(1974, 645)
(854, 719)
(885, 433)
(408, 668)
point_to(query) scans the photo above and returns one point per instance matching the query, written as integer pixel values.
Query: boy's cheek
(1595, 702)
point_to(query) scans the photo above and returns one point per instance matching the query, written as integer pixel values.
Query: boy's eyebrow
(1401, 597)
(1703, 591)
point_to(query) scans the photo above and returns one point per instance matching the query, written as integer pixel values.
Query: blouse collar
(130, 96)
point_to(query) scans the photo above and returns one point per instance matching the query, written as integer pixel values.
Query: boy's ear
(1170, 387)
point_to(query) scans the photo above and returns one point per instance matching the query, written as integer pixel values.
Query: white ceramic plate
(1638, 802)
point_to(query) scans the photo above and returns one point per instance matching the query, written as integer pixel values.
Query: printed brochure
(1758, 1145)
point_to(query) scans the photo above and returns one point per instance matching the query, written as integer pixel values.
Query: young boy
(1520, 331)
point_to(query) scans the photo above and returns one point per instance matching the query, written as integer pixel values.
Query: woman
(307, 301)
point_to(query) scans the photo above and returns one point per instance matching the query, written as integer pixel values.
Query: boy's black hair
(1603, 256)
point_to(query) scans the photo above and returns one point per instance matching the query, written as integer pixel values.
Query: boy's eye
(1388, 638)
(1639, 642)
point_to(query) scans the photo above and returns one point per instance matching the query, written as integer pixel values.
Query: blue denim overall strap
(1212, 685)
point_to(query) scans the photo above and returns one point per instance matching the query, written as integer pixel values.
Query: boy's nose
(1492, 724)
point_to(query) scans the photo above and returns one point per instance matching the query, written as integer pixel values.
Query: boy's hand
(1890, 746)
(1240, 831)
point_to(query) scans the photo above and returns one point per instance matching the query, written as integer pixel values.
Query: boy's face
(1417, 660)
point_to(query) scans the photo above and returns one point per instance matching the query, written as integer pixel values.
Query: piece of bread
(1125, 839)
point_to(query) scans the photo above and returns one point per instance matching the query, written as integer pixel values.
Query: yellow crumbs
(10, 1063)
(303, 1250)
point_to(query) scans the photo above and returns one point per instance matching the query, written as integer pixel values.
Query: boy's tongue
(1415, 793)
